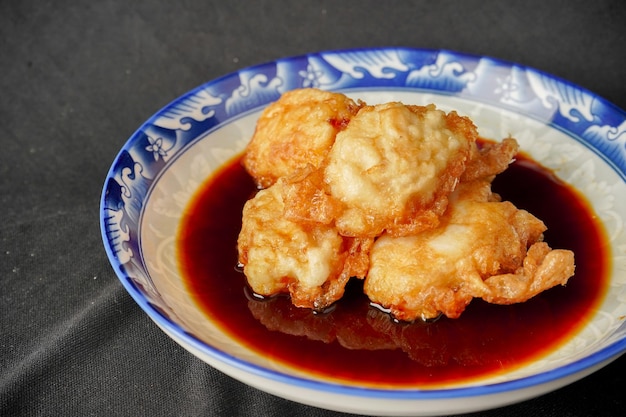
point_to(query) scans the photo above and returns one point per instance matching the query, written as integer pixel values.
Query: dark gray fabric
(77, 78)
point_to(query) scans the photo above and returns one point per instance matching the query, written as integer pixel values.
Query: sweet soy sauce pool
(356, 342)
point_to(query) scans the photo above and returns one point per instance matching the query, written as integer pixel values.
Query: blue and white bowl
(564, 127)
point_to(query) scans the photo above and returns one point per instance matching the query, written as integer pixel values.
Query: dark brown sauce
(358, 343)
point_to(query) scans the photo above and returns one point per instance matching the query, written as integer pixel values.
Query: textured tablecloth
(77, 78)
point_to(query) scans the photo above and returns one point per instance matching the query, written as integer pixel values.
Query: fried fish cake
(393, 167)
(398, 193)
(483, 248)
(311, 262)
(296, 131)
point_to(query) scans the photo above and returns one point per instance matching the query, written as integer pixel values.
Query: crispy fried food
(397, 194)
(311, 262)
(296, 131)
(490, 160)
(393, 167)
(484, 248)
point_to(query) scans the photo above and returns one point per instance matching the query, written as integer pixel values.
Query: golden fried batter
(393, 167)
(483, 248)
(312, 262)
(296, 131)
(490, 160)
(397, 194)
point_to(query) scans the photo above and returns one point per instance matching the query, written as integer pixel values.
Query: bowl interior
(572, 160)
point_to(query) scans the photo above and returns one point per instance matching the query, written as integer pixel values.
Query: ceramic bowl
(158, 171)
